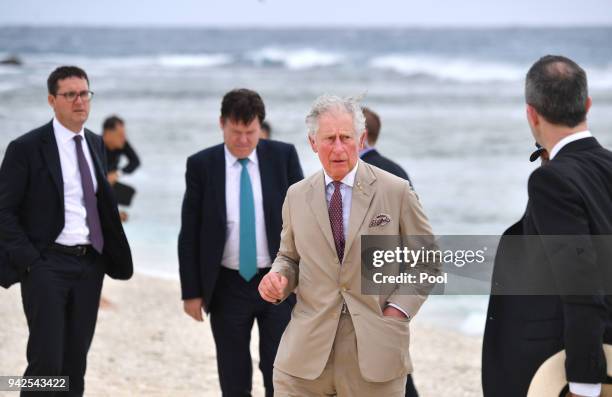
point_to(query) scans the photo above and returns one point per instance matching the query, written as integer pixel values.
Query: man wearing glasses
(60, 231)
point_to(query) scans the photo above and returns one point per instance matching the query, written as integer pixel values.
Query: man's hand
(112, 177)
(272, 287)
(194, 308)
(390, 311)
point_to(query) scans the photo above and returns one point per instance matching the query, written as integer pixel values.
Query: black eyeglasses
(72, 95)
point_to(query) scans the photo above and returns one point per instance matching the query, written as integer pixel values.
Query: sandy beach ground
(145, 346)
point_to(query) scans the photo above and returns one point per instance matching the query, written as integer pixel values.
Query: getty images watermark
(483, 265)
(430, 257)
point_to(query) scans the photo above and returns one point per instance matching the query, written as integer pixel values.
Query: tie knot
(78, 138)
(337, 184)
(243, 162)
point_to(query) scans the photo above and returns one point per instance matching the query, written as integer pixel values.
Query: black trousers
(61, 295)
(235, 305)
(410, 389)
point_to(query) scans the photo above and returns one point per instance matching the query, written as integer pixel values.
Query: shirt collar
(63, 134)
(349, 179)
(231, 160)
(569, 139)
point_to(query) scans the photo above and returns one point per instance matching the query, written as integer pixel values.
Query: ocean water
(451, 103)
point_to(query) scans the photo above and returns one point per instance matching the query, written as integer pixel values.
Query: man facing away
(570, 202)
(370, 155)
(340, 341)
(230, 231)
(60, 230)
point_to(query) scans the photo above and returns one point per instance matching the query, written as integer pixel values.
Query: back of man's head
(556, 87)
(372, 122)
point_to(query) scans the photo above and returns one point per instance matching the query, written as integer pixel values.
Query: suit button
(344, 289)
(336, 261)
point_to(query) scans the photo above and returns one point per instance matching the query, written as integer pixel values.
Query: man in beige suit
(340, 341)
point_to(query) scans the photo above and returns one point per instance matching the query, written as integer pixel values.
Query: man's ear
(588, 104)
(221, 122)
(532, 116)
(362, 139)
(312, 142)
(51, 100)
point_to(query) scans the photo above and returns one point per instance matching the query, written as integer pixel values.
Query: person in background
(370, 155)
(266, 130)
(117, 147)
(230, 233)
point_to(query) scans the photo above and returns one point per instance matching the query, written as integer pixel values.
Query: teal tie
(248, 244)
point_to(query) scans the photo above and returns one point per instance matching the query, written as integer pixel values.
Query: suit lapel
(363, 192)
(51, 155)
(218, 182)
(99, 168)
(315, 197)
(265, 175)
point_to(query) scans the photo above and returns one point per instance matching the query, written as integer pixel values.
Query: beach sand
(146, 346)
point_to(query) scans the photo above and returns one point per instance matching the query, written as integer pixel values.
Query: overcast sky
(299, 13)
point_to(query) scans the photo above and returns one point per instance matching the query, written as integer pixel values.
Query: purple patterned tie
(91, 202)
(336, 219)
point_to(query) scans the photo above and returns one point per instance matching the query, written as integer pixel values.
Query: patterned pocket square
(380, 220)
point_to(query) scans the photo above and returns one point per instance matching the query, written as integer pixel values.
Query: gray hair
(332, 103)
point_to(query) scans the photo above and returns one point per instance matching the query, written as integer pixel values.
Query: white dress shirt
(581, 389)
(75, 229)
(231, 252)
(346, 191)
(568, 139)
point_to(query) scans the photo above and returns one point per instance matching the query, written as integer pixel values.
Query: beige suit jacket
(308, 259)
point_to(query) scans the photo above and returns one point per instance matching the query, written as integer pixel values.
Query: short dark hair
(557, 88)
(111, 123)
(267, 127)
(243, 105)
(64, 72)
(373, 124)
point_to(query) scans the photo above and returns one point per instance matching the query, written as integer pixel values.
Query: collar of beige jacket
(363, 192)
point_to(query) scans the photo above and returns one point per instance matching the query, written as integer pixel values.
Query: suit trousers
(61, 296)
(235, 305)
(341, 376)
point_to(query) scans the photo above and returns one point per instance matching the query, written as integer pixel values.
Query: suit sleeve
(295, 169)
(415, 225)
(133, 159)
(189, 236)
(13, 184)
(287, 259)
(561, 221)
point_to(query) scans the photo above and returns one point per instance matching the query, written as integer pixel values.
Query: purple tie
(91, 202)
(336, 219)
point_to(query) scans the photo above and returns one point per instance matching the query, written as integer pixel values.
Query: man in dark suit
(230, 232)
(370, 155)
(60, 230)
(570, 202)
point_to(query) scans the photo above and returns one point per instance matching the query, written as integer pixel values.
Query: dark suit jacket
(32, 205)
(570, 196)
(380, 161)
(203, 221)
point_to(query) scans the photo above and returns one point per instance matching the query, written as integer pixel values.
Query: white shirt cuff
(585, 389)
(401, 310)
